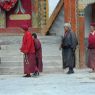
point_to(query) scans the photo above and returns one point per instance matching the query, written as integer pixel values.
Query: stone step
(7, 40)
(20, 57)
(12, 58)
(19, 63)
(13, 70)
(47, 51)
(19, 70)
(17, 67)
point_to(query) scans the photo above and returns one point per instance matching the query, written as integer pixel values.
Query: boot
(27, 75)
(71, 71)
(35, 74)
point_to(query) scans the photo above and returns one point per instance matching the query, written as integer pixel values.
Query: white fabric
(67, 25)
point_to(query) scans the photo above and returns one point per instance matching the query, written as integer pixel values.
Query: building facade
(13, 13)
(40, 13)
(80, 13)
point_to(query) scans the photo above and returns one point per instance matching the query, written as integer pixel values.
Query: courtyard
(80, 83)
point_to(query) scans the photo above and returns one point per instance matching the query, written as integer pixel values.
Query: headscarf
(25, 27)
(67, 25)
(92, 24)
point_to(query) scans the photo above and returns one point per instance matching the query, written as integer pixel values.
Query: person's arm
(74, 41)
(26, 43)
(61, 45)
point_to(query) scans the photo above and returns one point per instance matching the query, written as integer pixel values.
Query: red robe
(29, 53)
(91, 51)
(91, 41)
(38, 52)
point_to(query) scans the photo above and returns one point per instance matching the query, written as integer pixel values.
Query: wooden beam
(52, 17)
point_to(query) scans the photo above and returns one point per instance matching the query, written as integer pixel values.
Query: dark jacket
(69, 40)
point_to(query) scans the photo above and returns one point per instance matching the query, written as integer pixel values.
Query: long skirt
(39, 64)
(29, 63)
(68, 56)
(91, 58)
(39, 60)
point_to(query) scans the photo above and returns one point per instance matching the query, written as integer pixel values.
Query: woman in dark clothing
(38, 53)
(69, 43)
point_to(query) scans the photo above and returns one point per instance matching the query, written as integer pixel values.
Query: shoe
(93, 71)
(70, 72)
(35, 74)
(28, 75)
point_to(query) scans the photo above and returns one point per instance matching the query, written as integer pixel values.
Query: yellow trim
(53, 17)
(20, 17)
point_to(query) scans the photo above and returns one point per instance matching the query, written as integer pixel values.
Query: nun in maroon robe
(38, 53)
(29, 52)
(91, 48)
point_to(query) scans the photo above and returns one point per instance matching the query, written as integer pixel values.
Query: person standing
(29, 52)
(91, 48)
(38, 53)
(68, 45)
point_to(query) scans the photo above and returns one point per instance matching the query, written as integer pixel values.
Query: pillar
(81, 31)
(93, 12)
(78, 26)
(70, 13)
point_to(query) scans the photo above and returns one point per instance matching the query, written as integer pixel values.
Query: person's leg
(70, 70)
(27, 66)
(27, 75)
(36, 73)
(71, 62)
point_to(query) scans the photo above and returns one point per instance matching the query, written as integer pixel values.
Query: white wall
(58, 25)
(52, 5)
(88, 13)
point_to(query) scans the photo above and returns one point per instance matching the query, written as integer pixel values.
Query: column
(66, 10)
(70, 13)
(81, 29)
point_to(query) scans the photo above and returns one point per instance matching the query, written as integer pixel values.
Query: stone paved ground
(53, 81)
(80, 83)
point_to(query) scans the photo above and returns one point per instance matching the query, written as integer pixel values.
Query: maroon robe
(38, 52)
(91, 51)
(29, 53)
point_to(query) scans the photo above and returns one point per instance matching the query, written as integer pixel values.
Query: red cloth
(92, 24)
(91, 58)
(38, 52)
(27, 43)
(29, 51)
(29, 65)
(91, 41)
(7, 5)
(25, 27)
(27, 6)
